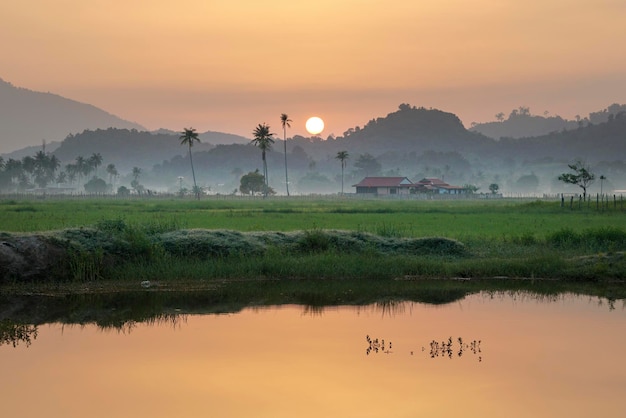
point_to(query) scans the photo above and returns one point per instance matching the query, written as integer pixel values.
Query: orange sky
(229, 65)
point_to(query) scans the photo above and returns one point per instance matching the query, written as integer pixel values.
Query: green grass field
(458, 219)
(502, 237)
(116, 244)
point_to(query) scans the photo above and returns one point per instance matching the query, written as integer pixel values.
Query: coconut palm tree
(95, 161)
(188, 137)
(285, 122)
(342, 156)
(81, 167)
(263, 139)
(112, 172)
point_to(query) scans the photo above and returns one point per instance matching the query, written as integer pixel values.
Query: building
(382, 186)
(435, 185)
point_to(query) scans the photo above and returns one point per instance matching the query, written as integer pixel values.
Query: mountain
(27, 117)
(522, 124)
(211, 137)
(412, 142)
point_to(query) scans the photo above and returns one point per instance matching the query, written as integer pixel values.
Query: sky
(228, 65)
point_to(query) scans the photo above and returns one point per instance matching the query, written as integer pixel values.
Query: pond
(486, 355)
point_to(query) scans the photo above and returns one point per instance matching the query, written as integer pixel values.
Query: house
(435, 185)
(384, 186)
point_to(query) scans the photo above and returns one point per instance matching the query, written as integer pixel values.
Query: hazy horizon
(227, 66)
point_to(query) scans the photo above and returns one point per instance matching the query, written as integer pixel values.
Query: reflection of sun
(314, 125)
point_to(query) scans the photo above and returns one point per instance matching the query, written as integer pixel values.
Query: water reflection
(448, 349)
(540, 358)
(375, 346)
(12, 333)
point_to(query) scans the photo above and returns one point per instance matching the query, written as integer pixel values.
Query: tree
(81, 167)
(368, 165)
(135, 182)
(470, 188)
(263, 139)
(95, 161)
(500, 117)
(252, 183)
(96, 185)
(188, 137)
(342, 156)
(582, 176)
(284, 120)
(527, 183)
(493, 188)
(112, 172)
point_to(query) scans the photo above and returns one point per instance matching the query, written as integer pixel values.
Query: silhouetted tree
(263, 139)
(284, 120)
(188, 137)
(252, 183)
(582, 176)
(342, 156)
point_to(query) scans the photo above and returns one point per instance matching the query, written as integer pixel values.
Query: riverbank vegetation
(214, 244)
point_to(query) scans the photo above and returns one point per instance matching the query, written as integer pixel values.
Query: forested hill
(522, 124)
(593, 143)
(416, 129)
(132, 148)
(27, 117)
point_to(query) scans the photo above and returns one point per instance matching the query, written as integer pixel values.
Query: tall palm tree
(95, 161)
(81, 167)
(342, 156)
(112, 172)
(263, 139)
(284, 120)
(188, 137)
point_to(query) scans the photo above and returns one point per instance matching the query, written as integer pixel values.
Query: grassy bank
(221, 244)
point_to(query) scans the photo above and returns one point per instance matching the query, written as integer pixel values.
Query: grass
(244, 251)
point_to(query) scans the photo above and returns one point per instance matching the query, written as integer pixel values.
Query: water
(518, 356)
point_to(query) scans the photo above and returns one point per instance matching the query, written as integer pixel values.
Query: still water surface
(484, 356)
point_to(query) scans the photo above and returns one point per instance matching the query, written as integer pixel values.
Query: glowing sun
(314, 125)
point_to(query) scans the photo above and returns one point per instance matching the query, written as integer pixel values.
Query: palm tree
(342, 156)
(81, 167)
(95, 161)
(284, 120)
(112, 172)
(188, 137)
(263, 139)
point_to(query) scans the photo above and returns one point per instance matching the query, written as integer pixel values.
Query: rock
(27, 257)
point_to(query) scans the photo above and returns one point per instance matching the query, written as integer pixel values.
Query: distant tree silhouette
(582, 176)
(263, 138)
(285, 122)
(188, 137)
(252, 183)
(342, 156)
(95, 161)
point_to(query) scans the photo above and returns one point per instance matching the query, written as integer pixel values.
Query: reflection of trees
(14, 333)
(450, 348)
(375, 346)
(458, 348)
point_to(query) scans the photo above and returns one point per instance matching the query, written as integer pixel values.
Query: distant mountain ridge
(28, 117)
(130, 148)
(522, 124)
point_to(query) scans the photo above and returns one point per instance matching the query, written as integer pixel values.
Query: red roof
(384, 182)
(432, 181)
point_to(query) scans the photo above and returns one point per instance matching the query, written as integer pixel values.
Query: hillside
(28, 117)
(412, 142)
(522, 124)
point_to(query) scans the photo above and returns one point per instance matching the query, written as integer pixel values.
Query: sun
(314, 125)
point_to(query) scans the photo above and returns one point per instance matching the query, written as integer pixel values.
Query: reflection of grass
(123, 309)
